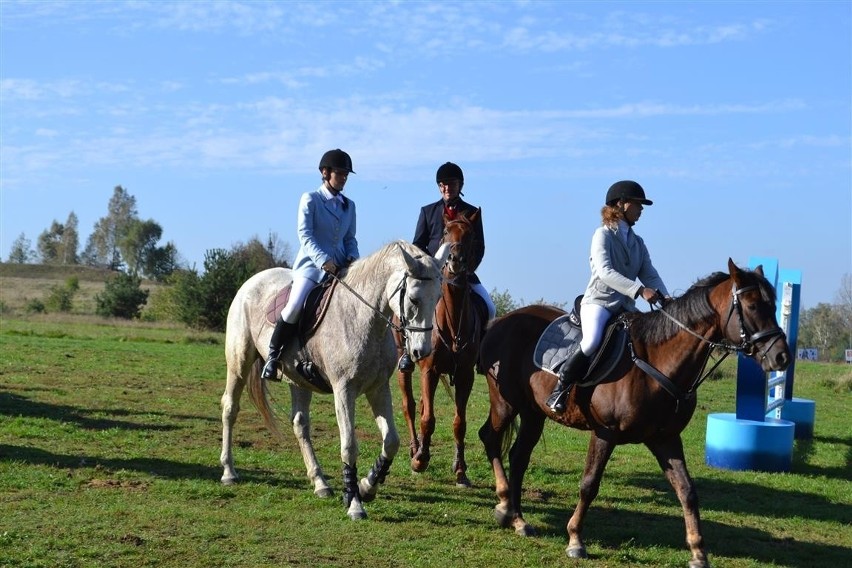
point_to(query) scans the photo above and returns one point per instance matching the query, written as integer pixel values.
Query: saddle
(313, 312)
(562, 338)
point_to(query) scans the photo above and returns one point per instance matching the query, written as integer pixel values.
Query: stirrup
(270, 371)
(405, 363)
(557, 402)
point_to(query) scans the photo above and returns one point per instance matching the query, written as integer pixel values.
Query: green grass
(109, 457)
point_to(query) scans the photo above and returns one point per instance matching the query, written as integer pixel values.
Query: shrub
(122, 297)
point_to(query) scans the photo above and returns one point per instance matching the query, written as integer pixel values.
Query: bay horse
(649, 397)
(353, 347)
(455, 348)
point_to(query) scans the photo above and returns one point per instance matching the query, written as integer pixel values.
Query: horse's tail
(507, 437)
(258, 391)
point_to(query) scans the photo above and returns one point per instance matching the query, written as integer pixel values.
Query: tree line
(130, 247)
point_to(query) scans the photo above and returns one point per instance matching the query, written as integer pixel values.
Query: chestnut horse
(648, 400)
(455, 347)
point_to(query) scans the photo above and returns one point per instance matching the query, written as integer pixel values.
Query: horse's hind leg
(300, 417)
(492, 434)
(230, 408)
(382, 404)
(529, 433)
(464, 385)
(597, 457)
(669, 454)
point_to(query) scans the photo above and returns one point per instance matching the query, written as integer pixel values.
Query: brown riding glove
(330, 267)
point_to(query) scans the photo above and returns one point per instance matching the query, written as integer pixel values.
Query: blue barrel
(741, 445)
(801, 412)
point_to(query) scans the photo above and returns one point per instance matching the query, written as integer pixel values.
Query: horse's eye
(415, 302)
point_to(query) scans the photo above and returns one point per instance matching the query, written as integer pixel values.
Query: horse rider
(618, 258)
(327, 243)
(430, 226)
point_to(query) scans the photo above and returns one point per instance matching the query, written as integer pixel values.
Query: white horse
(353, 349)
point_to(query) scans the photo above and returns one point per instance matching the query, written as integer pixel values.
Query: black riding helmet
(336, 159)
(449, 171)
(626, 189)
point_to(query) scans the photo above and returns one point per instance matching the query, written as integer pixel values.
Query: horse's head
(413, 295)
(457, 243)
(751, 320)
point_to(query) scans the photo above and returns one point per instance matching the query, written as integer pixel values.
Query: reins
(747, 346)
(401, 287)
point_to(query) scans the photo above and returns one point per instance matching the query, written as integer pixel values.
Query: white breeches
(594, 319)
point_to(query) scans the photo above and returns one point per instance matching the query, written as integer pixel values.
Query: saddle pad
(557, 342)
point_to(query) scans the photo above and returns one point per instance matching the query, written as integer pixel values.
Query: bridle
(401, 288)
(747, 345)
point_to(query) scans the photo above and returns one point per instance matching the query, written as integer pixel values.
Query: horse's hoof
(463, 481)
(366, 492)
(504, 520)
(229, 480)
(357, 516)
(324, 493)
(699, 564)
(419, 465)
(525, 530)
(576, 552)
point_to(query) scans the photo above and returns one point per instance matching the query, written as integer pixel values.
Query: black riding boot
(572, 370)
(281, 336)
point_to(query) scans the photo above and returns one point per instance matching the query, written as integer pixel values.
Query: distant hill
(21, 283)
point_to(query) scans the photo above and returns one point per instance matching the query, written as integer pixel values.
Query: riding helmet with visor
(627, 190)
(448, 172)
(337, 160)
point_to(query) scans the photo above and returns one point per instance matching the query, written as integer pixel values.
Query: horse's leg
(529, 433)
(408, 405)
(428, 383)
(230, 408)
(491, 434)
(597, 457)
(669, 454)
(382, 404)
(344, 409)
(300, 417)
(464, 385)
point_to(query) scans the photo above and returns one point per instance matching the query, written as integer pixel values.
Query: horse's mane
(363, 270)
(691, 308)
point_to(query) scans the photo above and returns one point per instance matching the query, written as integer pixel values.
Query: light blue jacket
(326, 232)
(615, 268)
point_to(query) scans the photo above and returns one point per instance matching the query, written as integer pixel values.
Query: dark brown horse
(733, 312)
(455, 347)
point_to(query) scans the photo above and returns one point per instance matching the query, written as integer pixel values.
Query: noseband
(748, 339)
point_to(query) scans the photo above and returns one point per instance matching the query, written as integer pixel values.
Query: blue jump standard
(740, 445)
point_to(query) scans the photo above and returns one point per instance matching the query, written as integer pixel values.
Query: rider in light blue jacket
(327, 243)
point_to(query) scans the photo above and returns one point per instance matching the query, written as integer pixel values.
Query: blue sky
(735, 117)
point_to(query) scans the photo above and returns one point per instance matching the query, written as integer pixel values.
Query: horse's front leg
(300, 417)
(597, 457)
(382, 405)
(428, 383)
(403, 378)
(230, 408)
(669, 454)
(464, 386)
(344, 408)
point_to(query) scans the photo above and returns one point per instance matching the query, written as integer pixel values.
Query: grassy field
(109, 451)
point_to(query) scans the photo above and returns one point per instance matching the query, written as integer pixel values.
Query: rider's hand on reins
(330, 267)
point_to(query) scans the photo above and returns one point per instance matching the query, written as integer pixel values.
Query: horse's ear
(409, 260)
(442, 254)
(759, 270)
(732, 268)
